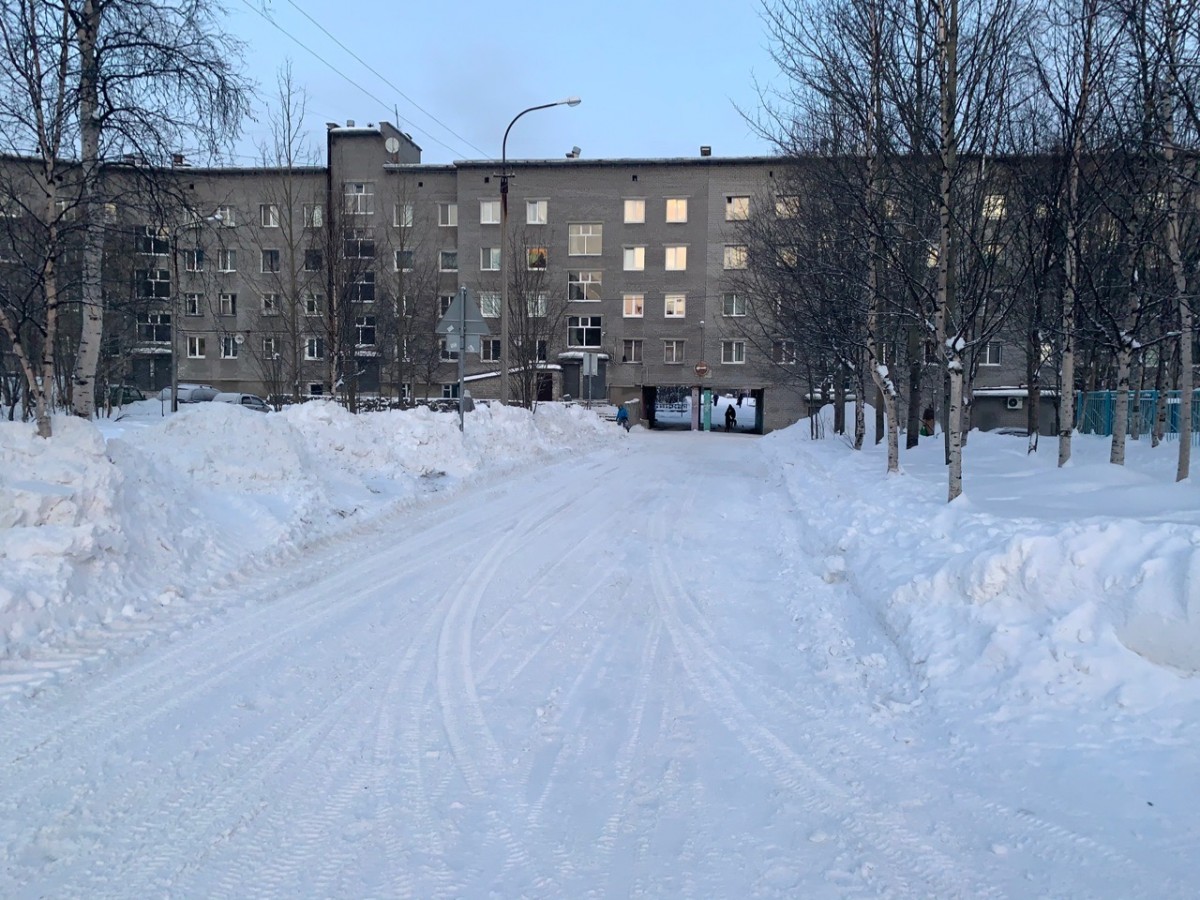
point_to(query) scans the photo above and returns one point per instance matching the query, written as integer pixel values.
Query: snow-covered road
(623, 674)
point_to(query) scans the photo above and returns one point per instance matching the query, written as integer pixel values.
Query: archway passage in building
(673, 408)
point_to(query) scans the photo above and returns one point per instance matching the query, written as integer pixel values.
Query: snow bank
(93, 531)
(1039, 586)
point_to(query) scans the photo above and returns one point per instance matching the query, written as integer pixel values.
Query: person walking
(730, 417)
(623, 417)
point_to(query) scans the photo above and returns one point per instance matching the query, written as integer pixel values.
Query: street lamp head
(571, 101)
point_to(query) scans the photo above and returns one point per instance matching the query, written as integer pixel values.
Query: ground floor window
(450, 391)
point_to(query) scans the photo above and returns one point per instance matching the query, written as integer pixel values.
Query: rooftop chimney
(349, 123)
(177, 160)
(705, 150)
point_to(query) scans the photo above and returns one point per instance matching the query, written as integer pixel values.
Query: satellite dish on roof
(392, 145)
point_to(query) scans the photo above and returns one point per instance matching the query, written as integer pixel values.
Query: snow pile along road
(94, 533)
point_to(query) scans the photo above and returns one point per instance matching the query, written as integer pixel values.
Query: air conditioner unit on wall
(1014, 402)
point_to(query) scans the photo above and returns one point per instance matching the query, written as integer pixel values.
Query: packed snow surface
(310, 654)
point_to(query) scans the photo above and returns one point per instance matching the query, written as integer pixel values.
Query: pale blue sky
(658, 78)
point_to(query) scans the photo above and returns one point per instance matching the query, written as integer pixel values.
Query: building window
(363, 289)
(195, 347)
(489, 350)
(676, 306)
(673, 351)
(584, 331)
(226, 216)
(268, 215)
(631, 351)
(677, 209)
(448, 260)
(227, 305)
(154, 328)
(406, 391)
(314, 215)
(448, 215)
(193, 260)
(359, 198)
(787, 257)
(733, 305)
(402, 215)
(153, 284)
(535, 258)
(537, 212)
(784, 353)
(489, 304)
(635, 212)
(633, 305)
(270, 261)
(733, 352)
(313, 260)
(991, 354)
(358, 243)
(993, 207)
(444, 302)
(312, 304)
(446, 354)
(314, 348)
(270, 304)
(191, 305)
(226, 260)
(315, 388)
(489, 259)
(404, 260)
(735, 257)
(584, 285)
(787, 206)
(585, 239)
(635, 259)
(153, 241)
(450, 390)
(364, 327)
(737, 209)
(270, 347)
(229, 346)
(489, 212)
(676, 258)
(535, 306)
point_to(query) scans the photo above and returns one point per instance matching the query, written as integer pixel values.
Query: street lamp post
(504, 354)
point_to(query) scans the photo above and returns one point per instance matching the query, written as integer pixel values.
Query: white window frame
(447, 215)
(402, 215)
(583, 283)
(635, 211)
(594, 323)
(993, 354)
(784, 352)
(676, 210)
(265, 255)
(489, 304)
(675, 258)
(192, 305)
(674, 351)
(733, 306)
(675, 306)
(631, 350)
(489, 259)
(193, 260)
(585, 239)
(268, 215)
(226, 260)
(359, 198)
(229, 346)
(489, 212)
(633, 306)
(489, 349)
(270, 346)
(733, 353)
(314, 348)
(226, 216)
(227, 303)
(536, 306)
(537, 212)
(270, 304)
(196, 348)
(312, 303)
(314, 215)
(735, 257)
(635, 258)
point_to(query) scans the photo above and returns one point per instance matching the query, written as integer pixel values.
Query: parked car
(120, 394)
(249, 401)
(191, 393)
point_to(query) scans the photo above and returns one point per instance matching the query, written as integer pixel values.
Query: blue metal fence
(1094, 412)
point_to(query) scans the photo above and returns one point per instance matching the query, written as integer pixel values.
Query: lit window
(489, 212)
(737, 209)
(676, 258)
(634, 305)
(993, 207)
(676, 306)
(677, 209)
(735, 257)
(585, 239)
(535, 258)
(537, 212)
(673, 351)
(635, 259)
(733, 352)
(448, 215)
(489, 259)
(787, 206)
(635, 212)
(584, 285)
